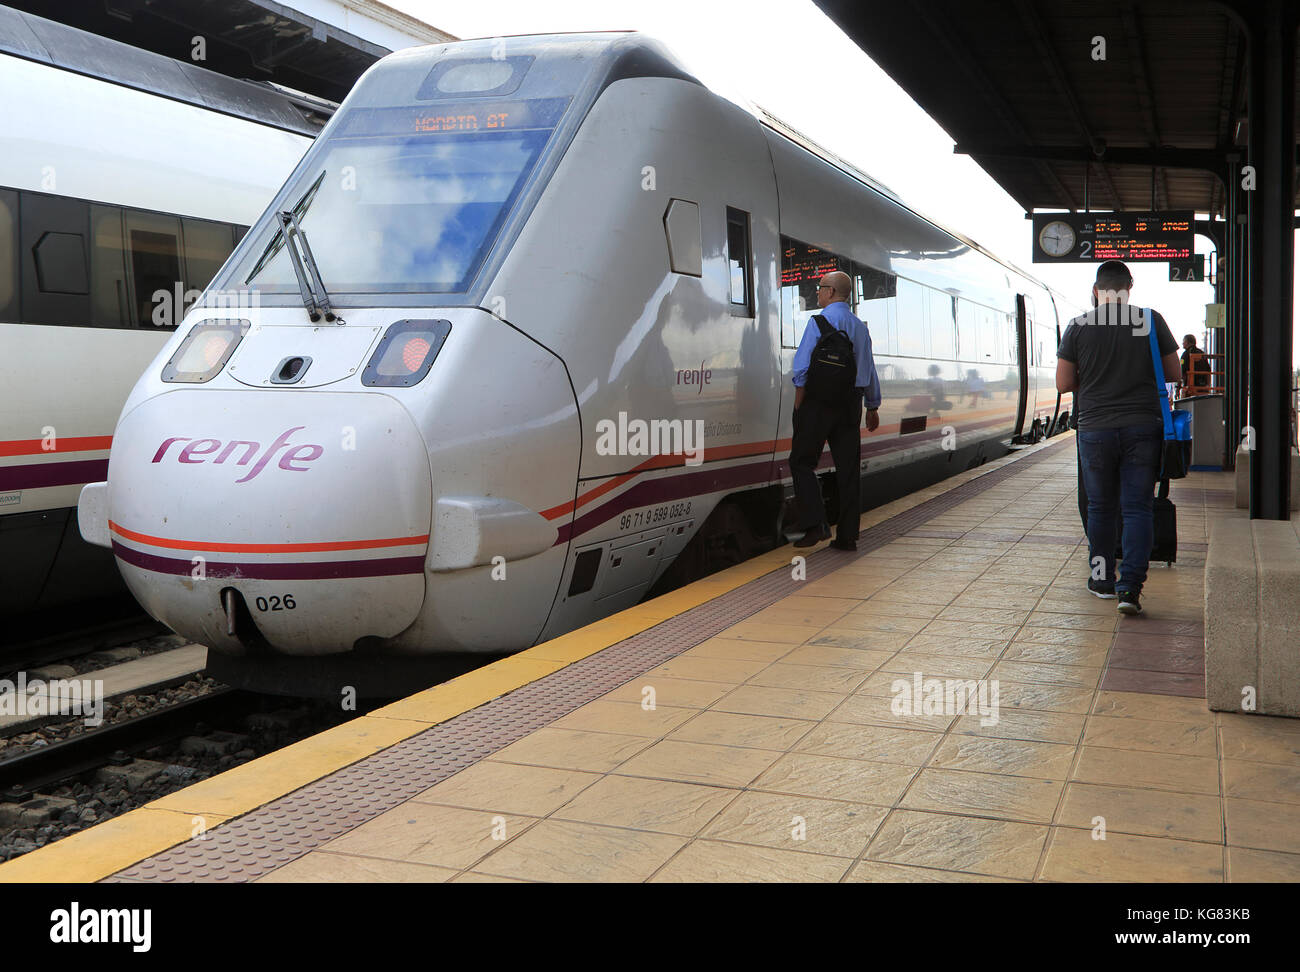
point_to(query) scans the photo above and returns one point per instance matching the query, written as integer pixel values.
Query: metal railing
(1198, 367)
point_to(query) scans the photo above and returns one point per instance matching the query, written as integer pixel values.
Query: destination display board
(1093, 237)
(441, 118)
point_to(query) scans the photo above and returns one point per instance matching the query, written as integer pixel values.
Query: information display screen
(447, 118)
(801, 263)
(1091, 237)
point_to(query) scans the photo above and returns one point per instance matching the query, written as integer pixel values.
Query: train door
(1022, 363)
(1057, 418)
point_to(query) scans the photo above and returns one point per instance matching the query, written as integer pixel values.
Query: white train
(123, 175)
(559, 291)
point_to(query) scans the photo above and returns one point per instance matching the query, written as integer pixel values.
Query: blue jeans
(1120, 466)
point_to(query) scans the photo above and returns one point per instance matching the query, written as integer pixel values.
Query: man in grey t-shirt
(1105, 358)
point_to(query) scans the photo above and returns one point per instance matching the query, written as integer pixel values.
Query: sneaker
(1101, 588)
(1130, 602)
(813, 537)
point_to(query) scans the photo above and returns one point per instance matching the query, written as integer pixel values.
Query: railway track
(51, 790)
(34, 770)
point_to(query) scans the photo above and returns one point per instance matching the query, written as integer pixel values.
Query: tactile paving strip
(281, 831)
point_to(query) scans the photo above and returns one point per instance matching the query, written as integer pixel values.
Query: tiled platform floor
(772, 752)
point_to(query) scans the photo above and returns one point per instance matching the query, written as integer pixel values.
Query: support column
(1271, 245)
(1234, 362)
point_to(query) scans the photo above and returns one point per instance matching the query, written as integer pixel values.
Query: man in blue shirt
(816, 422)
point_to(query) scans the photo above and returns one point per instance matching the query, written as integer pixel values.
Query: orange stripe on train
(34, 447)
(272, 548)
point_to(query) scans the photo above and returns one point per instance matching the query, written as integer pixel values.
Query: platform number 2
(276, 603)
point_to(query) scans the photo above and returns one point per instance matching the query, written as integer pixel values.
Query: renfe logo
(205, 447)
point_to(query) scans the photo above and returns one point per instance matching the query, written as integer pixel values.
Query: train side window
(55, 282)
(740, 263)
(999, 352)
(943, 326)
(8, 255)
(913, 330)
(876, 292)
(801, 267)
(987, 347)
(61, 263)
(207, 245)
(154, 265)
(108, 299)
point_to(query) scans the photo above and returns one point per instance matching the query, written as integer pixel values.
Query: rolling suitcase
(1164, 537)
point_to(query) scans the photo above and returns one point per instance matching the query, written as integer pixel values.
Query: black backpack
(833, 374)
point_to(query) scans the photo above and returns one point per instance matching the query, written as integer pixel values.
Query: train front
(346, 447)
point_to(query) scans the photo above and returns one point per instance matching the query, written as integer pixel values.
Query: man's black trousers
(815, 424)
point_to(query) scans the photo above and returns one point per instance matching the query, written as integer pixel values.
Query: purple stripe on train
(323, 570)
(40, 474)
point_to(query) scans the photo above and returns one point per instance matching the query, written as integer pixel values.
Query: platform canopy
(1021, 86)
(259, 40)
(1132, 105)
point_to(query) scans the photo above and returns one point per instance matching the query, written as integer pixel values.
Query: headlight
(406, 353)
(205, 351)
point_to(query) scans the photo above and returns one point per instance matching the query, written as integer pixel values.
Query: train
(512, 344)
(126, 179)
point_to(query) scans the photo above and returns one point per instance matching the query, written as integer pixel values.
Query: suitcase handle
(1162, 489)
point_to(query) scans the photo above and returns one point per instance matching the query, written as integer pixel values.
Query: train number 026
(276, 603)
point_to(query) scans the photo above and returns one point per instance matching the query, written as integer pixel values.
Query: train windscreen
(406, 199)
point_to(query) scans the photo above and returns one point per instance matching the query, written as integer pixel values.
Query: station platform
(750, 727)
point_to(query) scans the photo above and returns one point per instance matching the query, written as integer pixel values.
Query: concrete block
(1241, 479)
(34, 812)
(217, 743)
(133, 775)
(1277, 554)
(1231, 615)
(50, 673)
(115, 656)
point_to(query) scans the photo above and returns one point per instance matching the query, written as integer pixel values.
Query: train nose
(260, 521)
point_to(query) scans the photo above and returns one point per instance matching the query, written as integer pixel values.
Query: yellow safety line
(106, 848)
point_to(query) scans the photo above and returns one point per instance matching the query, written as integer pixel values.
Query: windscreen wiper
(277, 238)
(310, 285)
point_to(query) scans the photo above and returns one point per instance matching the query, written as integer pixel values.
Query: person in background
(817, 421)
(1105, 359)
(934, 385)
(1195, 367)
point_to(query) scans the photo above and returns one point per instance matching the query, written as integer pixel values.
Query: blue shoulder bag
(1178, 424)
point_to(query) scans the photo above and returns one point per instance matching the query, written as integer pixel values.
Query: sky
(784, 55)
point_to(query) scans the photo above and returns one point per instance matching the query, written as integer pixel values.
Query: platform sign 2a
(1094, 237)
(1188, 271)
